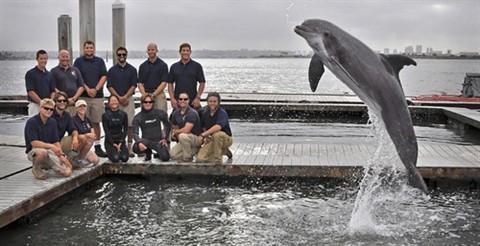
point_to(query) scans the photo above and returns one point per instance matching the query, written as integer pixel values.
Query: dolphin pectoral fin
(315, 71)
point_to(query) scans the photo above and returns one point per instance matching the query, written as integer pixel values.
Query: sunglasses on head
(183, 99)
(121, 54)
(48, 109)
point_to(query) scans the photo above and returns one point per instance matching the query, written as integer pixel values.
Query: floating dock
(21, 193)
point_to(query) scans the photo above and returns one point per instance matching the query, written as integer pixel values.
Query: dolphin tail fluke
(416, 180)
(315, 71)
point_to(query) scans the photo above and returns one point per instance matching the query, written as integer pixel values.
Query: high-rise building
(418, 49)
(409, 50)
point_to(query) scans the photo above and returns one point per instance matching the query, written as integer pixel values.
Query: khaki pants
(130, 110)
(186, 147)
(213, 150)
(33, 109)
(52, 161)
(161, 102)
(95, 108)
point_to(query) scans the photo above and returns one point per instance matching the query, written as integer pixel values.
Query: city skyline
(254, 25)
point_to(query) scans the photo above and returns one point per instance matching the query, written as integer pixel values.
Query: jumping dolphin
(373, 77)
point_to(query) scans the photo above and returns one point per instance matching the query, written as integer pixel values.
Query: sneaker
(228, 153)
(130, 150)
(186, 160)
(148, 155)
(79, 164)
(100, 152)
(38, 173)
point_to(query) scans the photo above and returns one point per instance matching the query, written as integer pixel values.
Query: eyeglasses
(48, 109)
(182, 99)
(148, 102)
(122, 54)
(62, 100)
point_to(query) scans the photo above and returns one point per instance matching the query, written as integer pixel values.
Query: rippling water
(283, 75)
(166, 211)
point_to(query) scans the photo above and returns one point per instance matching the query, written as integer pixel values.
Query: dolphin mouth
(303, 30)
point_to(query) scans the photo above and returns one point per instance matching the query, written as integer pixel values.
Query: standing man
(153, 77)
(37, 81)
(186, 127)
(122, 80)
(43, 144)
(216, 135)
(67, 79)
(94, 75)
(184, 76)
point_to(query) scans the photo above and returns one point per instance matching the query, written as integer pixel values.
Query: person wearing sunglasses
(153, 77)
(38, 84)
(121, 82)
(216, 133)
(186, 129)
(184, 76)
(94, 73)
(150, 121)
(43, 144)
(73, 145)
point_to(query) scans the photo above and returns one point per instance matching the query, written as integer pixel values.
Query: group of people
(66, 108)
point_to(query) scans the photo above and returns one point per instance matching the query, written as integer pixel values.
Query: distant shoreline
(217, 54)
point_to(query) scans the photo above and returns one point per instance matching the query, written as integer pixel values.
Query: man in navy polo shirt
(186, 127)
(216, 135)
(37, 81)
(184, 76)
(43, 144)
(68, 79)
(122, 80)
(153, 77)
(94, 75)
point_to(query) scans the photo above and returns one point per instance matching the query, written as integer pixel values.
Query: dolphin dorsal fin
(396, 63)
(315, 71)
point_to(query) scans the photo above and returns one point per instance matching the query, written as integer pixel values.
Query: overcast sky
(29, 25)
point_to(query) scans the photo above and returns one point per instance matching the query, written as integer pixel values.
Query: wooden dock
(22, 194)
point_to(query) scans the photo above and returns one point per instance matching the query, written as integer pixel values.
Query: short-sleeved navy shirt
(122, 78)
(186, 77)
(220, 117)
(152, 74)
(39, 81)
(67, 80)
(64, 123)
(35, 129)
(190, 116)
(92, 70)
(82, 126)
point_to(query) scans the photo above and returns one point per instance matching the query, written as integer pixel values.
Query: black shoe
(148, 155)
(156, 156)
(100, 152)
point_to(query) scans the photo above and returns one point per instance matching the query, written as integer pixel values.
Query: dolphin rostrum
(373, 77)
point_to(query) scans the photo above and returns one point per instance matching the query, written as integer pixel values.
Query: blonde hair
(47, 102)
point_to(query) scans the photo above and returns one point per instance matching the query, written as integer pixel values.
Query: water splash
(380, 207)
